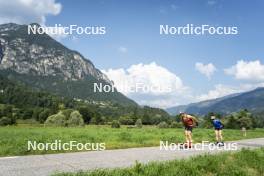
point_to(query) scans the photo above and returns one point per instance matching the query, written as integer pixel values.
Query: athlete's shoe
(185, 146)
(219, 144)
(222, 143)
(188, 145)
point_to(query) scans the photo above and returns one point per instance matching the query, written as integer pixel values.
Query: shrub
(97, 119)
(163, 125)
(75, 119)
(146, 119)
(245, 122)
(126, 120)
(87, 113)
(115, 124)
(5, 121)
(67, 112)
(138, 123)
(44, 115)
(27, 114)
(56, 120)
(6, 110)
(176, 125)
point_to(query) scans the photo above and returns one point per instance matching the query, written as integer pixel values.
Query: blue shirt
(217, 123)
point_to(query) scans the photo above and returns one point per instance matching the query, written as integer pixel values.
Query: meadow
(243, 163)
(14, 139)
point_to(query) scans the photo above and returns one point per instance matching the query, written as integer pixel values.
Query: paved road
(43, 165)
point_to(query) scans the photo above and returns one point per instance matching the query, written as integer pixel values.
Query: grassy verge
(14, 139)
(243, 163)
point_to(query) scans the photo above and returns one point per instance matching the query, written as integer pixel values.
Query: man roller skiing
(218, 130)
(189, 122)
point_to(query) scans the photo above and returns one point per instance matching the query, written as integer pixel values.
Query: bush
(27, 113)
(126, 120)
(6, 110)
(75, 119)
(60, 119)
(44, 115)
(87, 113)
(115, 124)
(245, 122)
(67, 112)
(176, 125)
(163, 125)
(56, 120)
(97, 119)
(240, 119)
(5, 121)
(138, 123)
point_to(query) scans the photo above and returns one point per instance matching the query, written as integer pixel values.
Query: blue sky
(133, 38)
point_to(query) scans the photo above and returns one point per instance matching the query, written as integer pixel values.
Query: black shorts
(188, 128)
(218, 129)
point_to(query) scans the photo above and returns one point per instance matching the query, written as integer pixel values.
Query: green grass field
(14, 138)
(243, 163)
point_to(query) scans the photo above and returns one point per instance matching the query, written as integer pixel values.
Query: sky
(193, 67)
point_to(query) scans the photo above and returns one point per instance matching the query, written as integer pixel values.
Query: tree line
(20, 102)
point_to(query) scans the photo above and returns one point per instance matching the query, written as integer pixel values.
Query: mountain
(252, 100)
(43, 63)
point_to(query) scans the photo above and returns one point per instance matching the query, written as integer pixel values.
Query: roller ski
(185, 145)
(219, 144)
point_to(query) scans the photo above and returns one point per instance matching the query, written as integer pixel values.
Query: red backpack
(188, 122)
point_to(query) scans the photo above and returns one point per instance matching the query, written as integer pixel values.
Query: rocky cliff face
(41, 55)
(42, 63)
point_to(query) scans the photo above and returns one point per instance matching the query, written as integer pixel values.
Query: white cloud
(122, 49)
(27, 11)
(219, 91)
(243, 70)
(247, 70)
(154, 75)
(157, 86)
(205, 69)
(30, 11)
